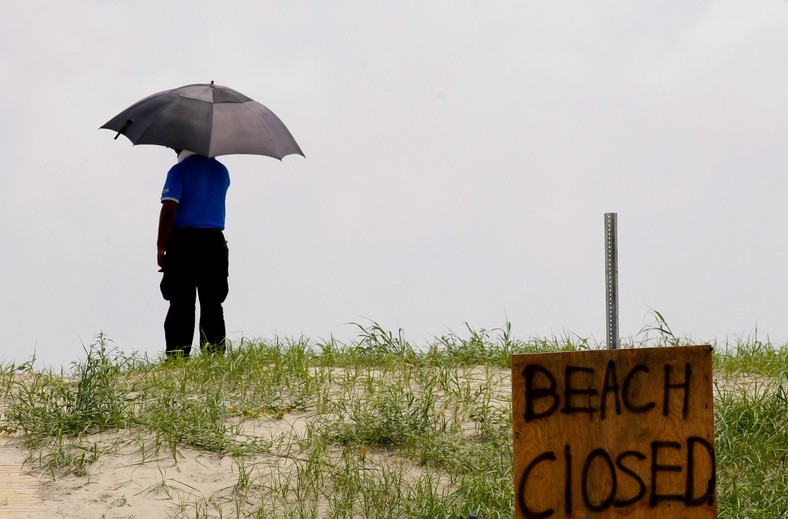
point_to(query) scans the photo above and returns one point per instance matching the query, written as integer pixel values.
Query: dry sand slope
(120, 485)
(126, 483)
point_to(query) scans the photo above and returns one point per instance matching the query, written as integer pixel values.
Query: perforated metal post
(611, 278)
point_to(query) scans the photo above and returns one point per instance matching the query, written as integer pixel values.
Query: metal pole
(611, 278)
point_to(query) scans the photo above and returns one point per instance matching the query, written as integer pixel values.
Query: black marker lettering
(610, 385)
(605, 504)
(678, 385)
(656, 467)
(569, 408)
(532, 394)
(568, 480)
(631, 407)
(527, 512)
(708, 497)
(620, 503)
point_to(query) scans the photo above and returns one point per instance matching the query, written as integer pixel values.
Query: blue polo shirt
(199, 185)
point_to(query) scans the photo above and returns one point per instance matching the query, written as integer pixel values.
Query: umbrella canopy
(209, 120)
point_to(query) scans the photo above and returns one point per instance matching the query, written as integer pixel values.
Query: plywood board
(614, 433)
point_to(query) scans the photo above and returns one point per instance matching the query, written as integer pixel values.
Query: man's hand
(166, 220)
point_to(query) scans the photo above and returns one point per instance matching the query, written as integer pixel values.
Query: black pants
(196, 263)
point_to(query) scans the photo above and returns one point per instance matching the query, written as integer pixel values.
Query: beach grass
(374, 428)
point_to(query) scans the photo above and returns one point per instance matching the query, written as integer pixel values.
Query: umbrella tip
(212, 83)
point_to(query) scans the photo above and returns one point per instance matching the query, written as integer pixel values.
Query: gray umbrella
(209, 120)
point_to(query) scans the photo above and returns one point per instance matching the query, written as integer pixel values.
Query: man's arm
(166, 220)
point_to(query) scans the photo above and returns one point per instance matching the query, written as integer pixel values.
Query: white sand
(120, 485)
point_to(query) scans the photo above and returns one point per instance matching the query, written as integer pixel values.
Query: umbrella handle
(126, 125)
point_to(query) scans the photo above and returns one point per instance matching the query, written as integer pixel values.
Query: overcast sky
(460, 158)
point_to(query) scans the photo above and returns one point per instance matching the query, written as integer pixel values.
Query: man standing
(192, 252)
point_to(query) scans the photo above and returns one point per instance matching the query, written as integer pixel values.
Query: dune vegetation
(299, 428)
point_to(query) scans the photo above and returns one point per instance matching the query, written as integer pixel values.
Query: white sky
(460, 157)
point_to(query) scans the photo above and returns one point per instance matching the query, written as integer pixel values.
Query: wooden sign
(614, 433)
